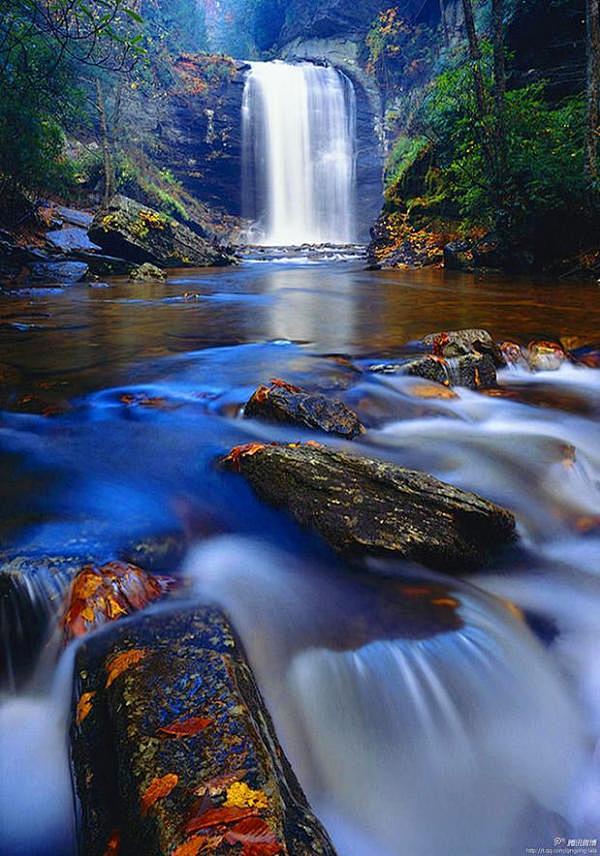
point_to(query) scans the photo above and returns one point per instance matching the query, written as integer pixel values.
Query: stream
(414, 735)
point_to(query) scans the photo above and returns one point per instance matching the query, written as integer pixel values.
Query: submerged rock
(282, 402)
(174, 752)
(365, 506)
(140, 234)
(59, 271)
(474, 371)
(457, 343)
(147, 271)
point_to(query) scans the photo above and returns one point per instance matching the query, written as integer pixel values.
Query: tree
(45, 47)
(592, 135)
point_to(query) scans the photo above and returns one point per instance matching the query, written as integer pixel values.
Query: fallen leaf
(157, 789)
(197, 844)
(218, 817)
(240, 795)
(219, 783)
(84, 706)
(186, 727)
(240, 451)
(121, 662)
(282, 384)
(113, 845)
(256, 837)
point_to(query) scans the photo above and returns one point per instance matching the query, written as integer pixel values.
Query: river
(434, 738)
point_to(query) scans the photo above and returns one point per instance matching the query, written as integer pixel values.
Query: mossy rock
(142, 235)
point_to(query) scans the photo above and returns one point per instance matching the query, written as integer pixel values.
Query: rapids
(465, 723)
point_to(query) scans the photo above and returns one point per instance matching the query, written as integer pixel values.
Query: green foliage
(543, 173)
(404, 154)
(158, 189)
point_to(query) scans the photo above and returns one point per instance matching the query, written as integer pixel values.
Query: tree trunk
(592, 8)
(107, 158)
(475, 54)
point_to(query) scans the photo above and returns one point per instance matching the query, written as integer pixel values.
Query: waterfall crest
(299, 123)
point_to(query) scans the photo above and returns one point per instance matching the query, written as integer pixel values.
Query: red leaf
(186, 727)
(219, 816)
(256, 837)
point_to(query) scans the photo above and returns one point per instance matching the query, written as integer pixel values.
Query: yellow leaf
(241, 796)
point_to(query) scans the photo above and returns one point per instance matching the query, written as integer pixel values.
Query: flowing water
(298, 123)
(423, 714)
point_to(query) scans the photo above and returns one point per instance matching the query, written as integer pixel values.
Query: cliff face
(200, 130)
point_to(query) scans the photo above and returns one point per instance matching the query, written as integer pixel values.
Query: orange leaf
(282, 384)
(186, 727)
(121, 662)
(256, 837)
(239, 451)
(218, 816)
(113, 845)
(197, 844)
(157, 789)
(84, 706)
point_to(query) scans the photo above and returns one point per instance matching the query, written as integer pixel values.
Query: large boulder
(365, 506)
(173, 750)
(140, 234)
(282, 402)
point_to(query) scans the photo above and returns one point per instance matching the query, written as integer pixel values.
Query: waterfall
(298, 124)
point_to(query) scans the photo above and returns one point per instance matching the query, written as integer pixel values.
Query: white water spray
(298, 125)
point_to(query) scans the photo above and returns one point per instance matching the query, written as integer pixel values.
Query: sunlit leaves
(102, 594)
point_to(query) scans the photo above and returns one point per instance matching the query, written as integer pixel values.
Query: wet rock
(140, 234)
(101, 264)
(456, 343)
(282, 402)
(474, 371)
(173, 748)
(146, 272)
(67, 240)
(364, 506)
(545, 356)
(458, 255)
(101, 594)
(59, 271)
(513, 354)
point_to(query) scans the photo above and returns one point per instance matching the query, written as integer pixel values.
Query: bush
(544, 176)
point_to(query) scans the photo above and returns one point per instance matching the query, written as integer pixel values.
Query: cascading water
(298, 125)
